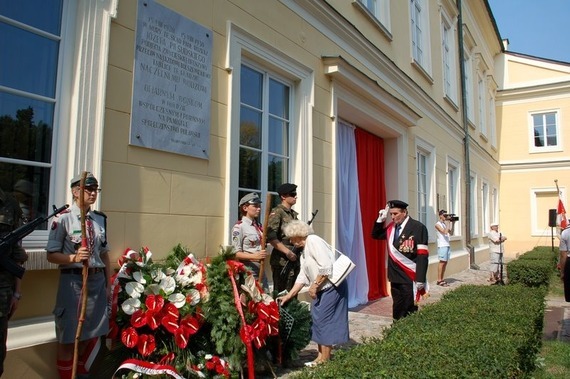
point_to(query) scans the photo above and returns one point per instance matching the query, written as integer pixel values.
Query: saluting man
(64, 249)
(408, 255)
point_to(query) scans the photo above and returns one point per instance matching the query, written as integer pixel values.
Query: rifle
(16, 235)
(296, 250)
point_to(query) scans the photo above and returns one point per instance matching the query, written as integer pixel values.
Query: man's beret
(251, 198)
(90, 180)
(397, 204)
(286, 188)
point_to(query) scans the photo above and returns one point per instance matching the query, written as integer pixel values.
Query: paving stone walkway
(369, 320)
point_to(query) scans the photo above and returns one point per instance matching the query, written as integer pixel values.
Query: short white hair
(297, 228)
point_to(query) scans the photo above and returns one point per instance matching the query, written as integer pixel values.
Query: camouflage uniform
(10, 219)
(278, 218)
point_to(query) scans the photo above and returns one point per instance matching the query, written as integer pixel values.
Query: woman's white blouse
(317, 259)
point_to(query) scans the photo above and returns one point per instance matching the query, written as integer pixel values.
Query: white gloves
(420, 286)
(383, 214)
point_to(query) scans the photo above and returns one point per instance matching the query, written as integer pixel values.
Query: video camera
(451, 217)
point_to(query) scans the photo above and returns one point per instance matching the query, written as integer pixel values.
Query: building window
(495, 206)
(453, 191)
(485, 207)
(545, 131)
(473, 206)
(264, 137)
(420, 34)
(541, 201)
(424, 171)
(31, 33)
(379, 9)
(482, 103)
(269, 117)
(469, 86)
(492, 121)
(449, 59)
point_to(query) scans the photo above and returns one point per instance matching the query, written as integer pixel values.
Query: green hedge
(474, 332)
(534, 268)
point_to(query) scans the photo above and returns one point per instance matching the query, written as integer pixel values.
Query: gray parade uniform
(65, 237)
(246, 237)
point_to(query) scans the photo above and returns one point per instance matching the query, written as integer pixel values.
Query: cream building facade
(289, 81)
(533, 106)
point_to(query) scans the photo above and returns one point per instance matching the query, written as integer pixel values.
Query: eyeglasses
(92, 189)
(292, 194)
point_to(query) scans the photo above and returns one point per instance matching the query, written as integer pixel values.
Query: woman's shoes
(442, 283)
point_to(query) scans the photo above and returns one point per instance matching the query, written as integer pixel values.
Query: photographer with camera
(444, 228)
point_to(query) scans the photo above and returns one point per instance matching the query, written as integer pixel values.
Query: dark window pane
(251, 90)
(26, 128)
(277, 172)
(250, 128)
(278, 136)
(551, 140)
(33, 68)
(41, 14)
(30, 186)
(278, 99)
(249, 168)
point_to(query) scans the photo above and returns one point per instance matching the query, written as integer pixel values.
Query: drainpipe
(466, 137)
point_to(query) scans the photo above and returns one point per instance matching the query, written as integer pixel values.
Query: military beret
(286, 188)
(397, 204)
(90, 180)
(251, 198)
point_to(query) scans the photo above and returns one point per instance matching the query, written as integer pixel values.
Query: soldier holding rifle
(283, 248)
(10, 219)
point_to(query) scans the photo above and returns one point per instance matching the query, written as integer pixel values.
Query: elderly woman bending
(329, 309)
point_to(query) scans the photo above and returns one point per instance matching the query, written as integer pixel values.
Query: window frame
(454, 192)
(449, 57)
(244, 47)
(426, 150)
(379, 14)
(482, 103)
(474, 215)
(545, 149)
(420, 44)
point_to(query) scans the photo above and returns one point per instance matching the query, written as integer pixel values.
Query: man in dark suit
(407, 256)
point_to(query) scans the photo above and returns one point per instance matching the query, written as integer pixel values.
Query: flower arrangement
(182, 318)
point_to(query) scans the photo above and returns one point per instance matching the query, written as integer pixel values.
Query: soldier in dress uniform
(247, 234)
(10, 219)
(282, 247)
(408, 256)
(65, 249)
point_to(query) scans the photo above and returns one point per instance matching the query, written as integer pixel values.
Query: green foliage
(541, 253)
(221, 312)
(533, 269)
(474, 332)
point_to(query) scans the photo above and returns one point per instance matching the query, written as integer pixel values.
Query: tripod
(500, 282)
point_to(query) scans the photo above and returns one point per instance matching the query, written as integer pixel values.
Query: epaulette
(100, 213)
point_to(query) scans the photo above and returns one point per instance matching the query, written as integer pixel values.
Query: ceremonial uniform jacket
(412, 244)
(65, 236)
(278, 218)
(246, 237)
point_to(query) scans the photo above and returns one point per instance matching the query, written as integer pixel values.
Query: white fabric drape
(349, 224)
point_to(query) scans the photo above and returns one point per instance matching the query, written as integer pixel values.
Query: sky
(535, 27)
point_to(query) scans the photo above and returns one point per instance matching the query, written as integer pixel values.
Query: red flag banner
(561, 219)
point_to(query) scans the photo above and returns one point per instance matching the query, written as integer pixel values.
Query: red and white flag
(561, 219)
